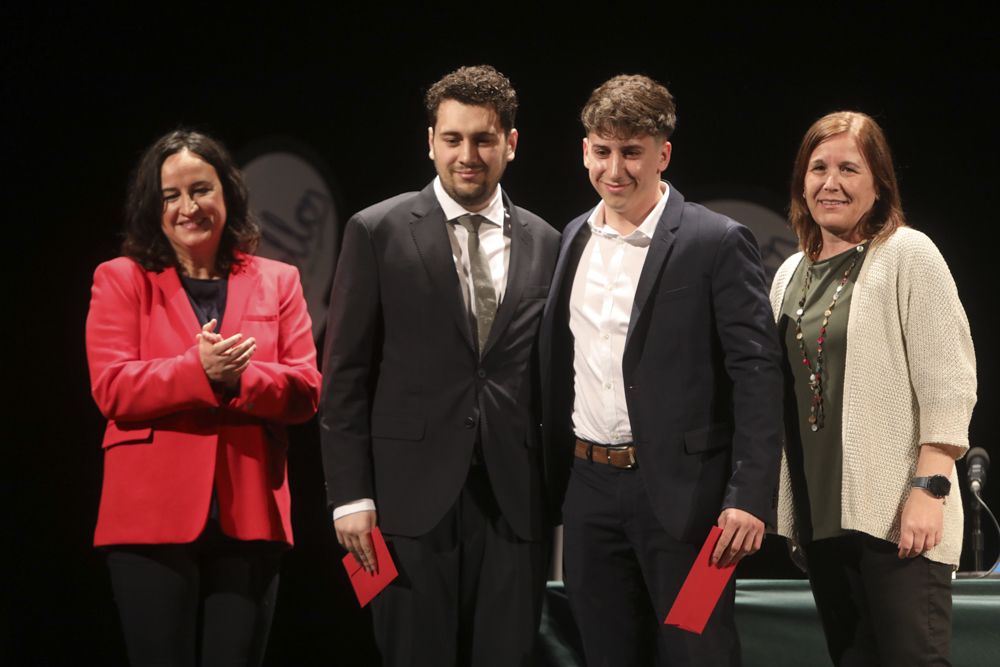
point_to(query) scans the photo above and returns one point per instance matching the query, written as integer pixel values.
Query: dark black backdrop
(84, 90)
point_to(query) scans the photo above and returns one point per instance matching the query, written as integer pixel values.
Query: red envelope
(701, 590)
(368, 585)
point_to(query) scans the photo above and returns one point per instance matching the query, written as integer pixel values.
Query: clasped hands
(224, 359)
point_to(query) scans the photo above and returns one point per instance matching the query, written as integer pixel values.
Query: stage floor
(779, 626)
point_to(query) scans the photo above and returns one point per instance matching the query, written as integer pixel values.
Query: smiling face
(470, 151)
(626, 173)
(839, 187)
(194, 210)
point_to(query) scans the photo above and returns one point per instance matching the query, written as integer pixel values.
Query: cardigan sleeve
(941, 357)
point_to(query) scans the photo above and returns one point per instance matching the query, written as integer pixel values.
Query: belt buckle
(632, 463)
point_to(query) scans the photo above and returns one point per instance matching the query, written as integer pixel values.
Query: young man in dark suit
(661, 391)
(428, 427)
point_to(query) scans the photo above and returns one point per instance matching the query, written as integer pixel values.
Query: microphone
(977, 462)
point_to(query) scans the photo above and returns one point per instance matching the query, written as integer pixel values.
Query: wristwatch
(937, 485)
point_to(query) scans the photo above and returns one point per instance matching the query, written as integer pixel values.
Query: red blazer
(170, 437)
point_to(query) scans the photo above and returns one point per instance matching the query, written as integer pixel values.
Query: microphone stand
(977, 534)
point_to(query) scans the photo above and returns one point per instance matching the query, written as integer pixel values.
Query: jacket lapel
(521, 260)
(431, 239)
(241, 286)
(178, 307)
(567, 261)
(555, 318)
(659, 250)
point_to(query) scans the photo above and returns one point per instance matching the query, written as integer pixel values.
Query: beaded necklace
(815, 368)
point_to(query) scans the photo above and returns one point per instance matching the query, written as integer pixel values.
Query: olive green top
(821, 459)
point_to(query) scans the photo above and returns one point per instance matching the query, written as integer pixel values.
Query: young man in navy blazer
(661, 390)
(427, 415)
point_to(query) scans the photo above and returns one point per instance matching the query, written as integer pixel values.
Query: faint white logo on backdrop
(294, 203)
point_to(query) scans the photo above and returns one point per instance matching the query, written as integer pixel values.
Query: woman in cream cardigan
(880, 385)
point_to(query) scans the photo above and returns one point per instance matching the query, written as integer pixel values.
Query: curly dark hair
(481, 85)
(630, 105)
(885, 216)
(144, 239)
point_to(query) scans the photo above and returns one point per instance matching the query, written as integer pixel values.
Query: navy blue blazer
(701, 366)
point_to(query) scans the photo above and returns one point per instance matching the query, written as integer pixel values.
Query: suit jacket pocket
(397, 427)
(121, 433)
(535, 292)
(675, 293)
(710, 438)
(264, 329)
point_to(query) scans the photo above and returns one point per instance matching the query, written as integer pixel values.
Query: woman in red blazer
(199, 355)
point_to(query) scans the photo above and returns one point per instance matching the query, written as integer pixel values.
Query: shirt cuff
(363, 505)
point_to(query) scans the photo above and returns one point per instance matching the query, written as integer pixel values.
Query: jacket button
(469, 422)
(481, 373)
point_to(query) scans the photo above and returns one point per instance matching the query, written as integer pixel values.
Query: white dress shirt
(494, 240)
(600, 307)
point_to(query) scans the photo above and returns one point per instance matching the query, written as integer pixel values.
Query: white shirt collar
(644, 232)
(494, 211)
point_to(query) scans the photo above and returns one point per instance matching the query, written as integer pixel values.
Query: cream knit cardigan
(909, 378)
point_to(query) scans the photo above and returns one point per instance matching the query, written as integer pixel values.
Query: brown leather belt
(616, 456)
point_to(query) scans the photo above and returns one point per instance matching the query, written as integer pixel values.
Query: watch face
(939, 485)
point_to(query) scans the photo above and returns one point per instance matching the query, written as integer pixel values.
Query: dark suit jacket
(405, 392)
(701, 371)
(171, 438)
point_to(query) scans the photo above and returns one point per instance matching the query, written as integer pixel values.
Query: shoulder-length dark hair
(886, 214)
(144, 239)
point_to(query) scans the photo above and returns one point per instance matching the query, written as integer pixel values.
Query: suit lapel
(241, 285)
(521, 260)
(659, 250)
(568, 261)
(178, 307)
(431, 239)
(556, 338)
(181, 314)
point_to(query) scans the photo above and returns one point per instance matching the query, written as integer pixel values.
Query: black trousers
(877, 609)
(623, 572)
(468, 593)
(209, 602)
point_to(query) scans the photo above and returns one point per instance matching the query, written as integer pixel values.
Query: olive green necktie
(482, 280)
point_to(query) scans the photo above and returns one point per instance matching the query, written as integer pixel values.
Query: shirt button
(481, 373)
(606, 336)
(607, 385)
(469, 422)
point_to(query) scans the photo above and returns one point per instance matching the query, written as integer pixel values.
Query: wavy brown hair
(630, 105)
(481, 85)
(886, 214)
(144, 239)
